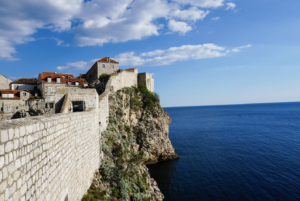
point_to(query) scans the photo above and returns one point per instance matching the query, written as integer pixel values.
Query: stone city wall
(103, 110)
(120, 80)
(89, 96)
(49, 158)
(4, 82)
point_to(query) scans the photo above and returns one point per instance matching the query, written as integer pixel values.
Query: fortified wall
(54, 157)
(49, 158)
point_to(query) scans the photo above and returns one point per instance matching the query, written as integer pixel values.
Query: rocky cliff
(137, 134)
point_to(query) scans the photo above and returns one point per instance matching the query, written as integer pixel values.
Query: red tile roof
(104, 59)
(15, 92)
(64, 78)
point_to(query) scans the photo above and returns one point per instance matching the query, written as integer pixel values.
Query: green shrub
(112, 120)
(149, 99)
(138, 197)
(87, 197)
(115, 192)
(127, 128)
(104, 77)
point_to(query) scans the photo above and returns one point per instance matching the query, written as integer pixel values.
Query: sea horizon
(233, 104)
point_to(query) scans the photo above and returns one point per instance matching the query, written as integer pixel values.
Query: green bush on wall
(104, 77)
(150, 99)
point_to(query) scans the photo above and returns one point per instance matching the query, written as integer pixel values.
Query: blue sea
(233, 152)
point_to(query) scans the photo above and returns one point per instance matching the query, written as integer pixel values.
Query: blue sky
(201, 52)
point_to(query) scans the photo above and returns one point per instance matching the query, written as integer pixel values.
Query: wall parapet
(49, 158)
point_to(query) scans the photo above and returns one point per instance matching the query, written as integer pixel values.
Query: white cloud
(192, 14)
(238, 49)
(230, 5)
(168, 56)
(96, 22)
(160, 57)
(215, 18)
(177, 26)
(202, 3)
(78, 65)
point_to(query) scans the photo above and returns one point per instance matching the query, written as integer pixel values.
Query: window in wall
(49, 89)
(76, 83)
(4, 96)
(58, 79)
(10, 95)
(26, 103)
(69, 83)
(24, 93)
(8, 108)
(112, 66)
(103, 66)
(49, 79)
(51, 105)
(64, 76)
(36, 94)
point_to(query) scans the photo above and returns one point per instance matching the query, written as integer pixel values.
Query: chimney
(108, 59)
(54, 72)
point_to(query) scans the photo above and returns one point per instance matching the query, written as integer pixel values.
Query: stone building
(24, 84)
(104, 65)
(12, 101)
(147, 79)
(50, 82)
(4, 82)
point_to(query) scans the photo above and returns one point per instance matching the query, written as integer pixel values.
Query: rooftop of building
(64, 78)
(15, 92)
(108, 59)
(25, 81)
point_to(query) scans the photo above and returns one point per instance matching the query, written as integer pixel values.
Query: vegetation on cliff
(127, 147)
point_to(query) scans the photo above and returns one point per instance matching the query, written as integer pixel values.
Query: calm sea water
(237, 152)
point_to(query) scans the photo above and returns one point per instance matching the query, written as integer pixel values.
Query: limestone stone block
(11, 168)
(6, 193)
(4, 136)
(9, 180)
(16, 196)
(23, 189)
(3, 186)
(9, 146)
(19, 183)
(18, 163)
(16, 175)
(12, 189)
(2, 197)
(16, 144)
(5, 174)
(17, 132)
(1, 149)
(29, 129)
(22, 131)
(11, 132)
(1, 161)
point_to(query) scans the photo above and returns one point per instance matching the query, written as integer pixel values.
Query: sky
(200, 52)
